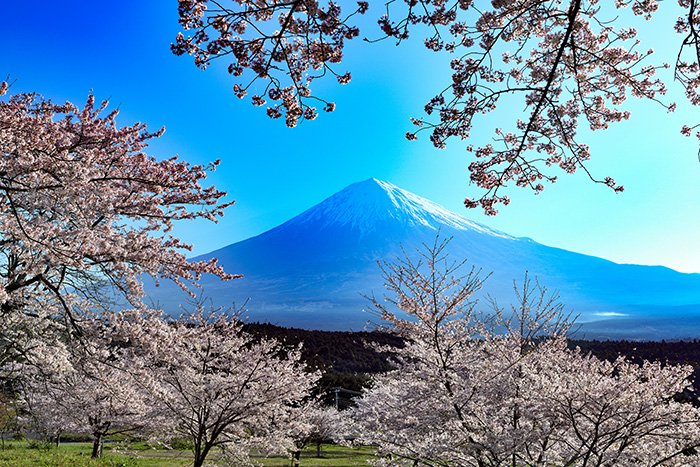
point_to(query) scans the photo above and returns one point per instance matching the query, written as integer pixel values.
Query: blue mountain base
(315, 270)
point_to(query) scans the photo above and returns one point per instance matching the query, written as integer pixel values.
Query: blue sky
(120, 51)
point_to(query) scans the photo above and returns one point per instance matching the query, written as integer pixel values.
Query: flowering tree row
(470, 388)
(200, 378)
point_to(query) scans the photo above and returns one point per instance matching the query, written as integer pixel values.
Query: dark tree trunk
(57, 439)
(198, 457)
(97, 444)
(296, 458)
(200, 454)
(318, 449)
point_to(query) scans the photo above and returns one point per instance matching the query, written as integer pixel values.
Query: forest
(349, 358)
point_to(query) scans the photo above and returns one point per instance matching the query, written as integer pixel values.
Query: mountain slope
(313, 270)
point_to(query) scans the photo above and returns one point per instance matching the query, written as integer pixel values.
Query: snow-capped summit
(313, 270)
(368, 205)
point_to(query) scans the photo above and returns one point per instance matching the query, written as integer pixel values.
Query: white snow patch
(366, 203)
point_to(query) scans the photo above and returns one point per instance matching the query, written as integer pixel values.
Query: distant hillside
(346, 358)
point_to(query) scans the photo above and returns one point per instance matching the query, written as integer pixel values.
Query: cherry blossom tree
(314, 423)
(84, 207)
(43, 418)
(219, 386)
(93, 395)
(502, 387)
(596, 412)
(85, 213)
(568, 64)
(9, 417)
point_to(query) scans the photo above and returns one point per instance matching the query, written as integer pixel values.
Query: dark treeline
(341, 352)
(671, 352)
(348, 358)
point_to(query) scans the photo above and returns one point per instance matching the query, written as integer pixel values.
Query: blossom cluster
(286, 45)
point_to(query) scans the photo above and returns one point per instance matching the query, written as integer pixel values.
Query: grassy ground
(331, 456)
(22, 454)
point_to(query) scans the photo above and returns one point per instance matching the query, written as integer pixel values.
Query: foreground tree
(502, 388)
(9, 417)
(219, 386)
(85, 213)
(567, 63)
(84, 205)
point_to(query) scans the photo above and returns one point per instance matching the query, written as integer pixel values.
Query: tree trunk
(318, 449)
(97, 445)
(58, 439)
(198, 457)
(197, 450)
(296, 455)
(200, 454)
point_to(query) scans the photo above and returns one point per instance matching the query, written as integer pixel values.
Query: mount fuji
(315, 270)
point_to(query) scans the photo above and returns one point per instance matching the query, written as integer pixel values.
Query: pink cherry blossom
(87, 212)
(217, 385)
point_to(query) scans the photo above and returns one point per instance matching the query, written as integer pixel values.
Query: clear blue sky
(120, 51)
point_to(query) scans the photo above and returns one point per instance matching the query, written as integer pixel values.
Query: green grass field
(331, 456)
(22, 454)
